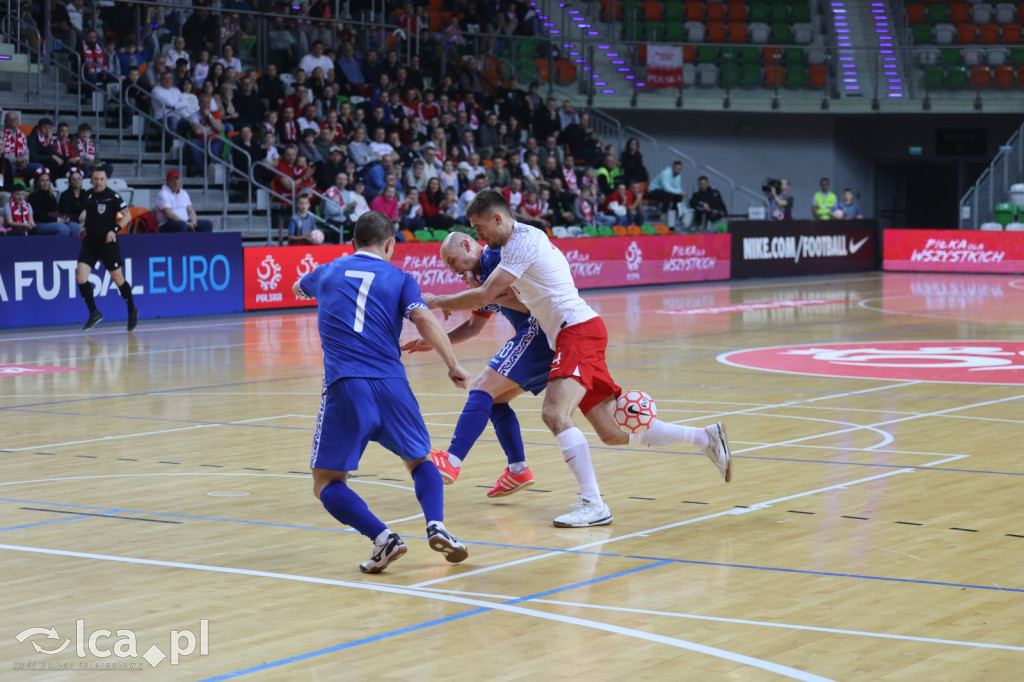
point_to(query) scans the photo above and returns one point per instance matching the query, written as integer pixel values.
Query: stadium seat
(751, 76)
(989, 33)
(605, 231)
(590, 231)
(818, 76)
(611, 10)
(737, 32)
(959, 12)
(1017, 56)
(991, 227)
(800, 14)
(543, 69)
(792, 56)
(944, 34)
(972, 56)
(938, 13)
(674, 12)
(966, 34)
(566, 71)
(803, 34)
(757, 12)
(655, 31)
(649, 230)
(689, 75)
(424, 235)
(915, 14)
(981, 76)
(1004, 76)
(1015, 227)
(663, 229)
(731, 75)
(759, 33)
(796, 76)
(774, 76)
(997, 56)
(634, 231)
(957, 77)
(1005, 214)
(689, 54)
(715, 11)
(676, 33)
(1011, 33)
(922, 34)
(737, 10)
(694, 31)
(652, 10)
(950, 56)
(778, 13)
(815, 55)
(694, 10)
(560, 232)
(707, 75)
(715, 32)
(934, 77)
(782, 33)
(928, 56)
(707, 54)
(770, 55)
(409, 236)
(981, 13)
(439, 235)
(619, 230)
(749, 55)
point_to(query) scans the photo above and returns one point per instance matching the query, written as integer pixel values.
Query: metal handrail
(288, 198)
(16, 36)
(164, 133)
(998, 172)
(708, 170)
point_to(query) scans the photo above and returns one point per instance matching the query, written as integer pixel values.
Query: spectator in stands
(549, 171)
(246, 151)
(302, 223)
(608, 175)
(334, 204)
(229, 60)
(410, 212)
(561, 203)
(174, 209)
(824, 201)
(570, 180)
(380, 147)
(281, 44)
(177, 51)
(206, 130)
(531, 147)
(45, 213)
(781, 204)
(583, 142)
(271, 88)
(588, 211)
(567, 115)
(371, 68)
(201, 69)
(324, 142)
(514, 195)
(472, 167)
(359, 149)
(94, 60)
(229, 114)
(667, 186)
(533, 208)
(387, 203)
(40, 146)
(498, 174)
(248, 104)
(624, 205)
(169, 104)
(315, 58)
(349, 72)
(550, 149)
(416, 178)
(71, 202)
(151, 79)
(64, 152)
(337, 161)
(18, 221)
(305, 173)
(467, 145)
(376, 175)
(307, 147)
(547, 121)
(707, 204)
(86, 149)
(287, 129)
(489, 137)
(848, 208)
(632, 162)
(60, 25)
(431, 165)
(200, 30)
(530, 172)
(131, 56)
(435, 206)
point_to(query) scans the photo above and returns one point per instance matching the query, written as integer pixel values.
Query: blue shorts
(525, 359)
(355, 411)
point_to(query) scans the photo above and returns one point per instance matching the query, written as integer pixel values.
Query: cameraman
(781, 203)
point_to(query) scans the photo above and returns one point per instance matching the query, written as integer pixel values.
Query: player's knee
(555, 418)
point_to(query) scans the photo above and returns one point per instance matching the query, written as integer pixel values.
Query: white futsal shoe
(718, 450)
(585, 513)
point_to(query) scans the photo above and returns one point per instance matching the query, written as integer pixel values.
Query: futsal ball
(316, 236)
(635, 411)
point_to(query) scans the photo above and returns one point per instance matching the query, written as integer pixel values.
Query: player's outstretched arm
(493, 290)
(458, 334)
(297, 290)
(433, 333)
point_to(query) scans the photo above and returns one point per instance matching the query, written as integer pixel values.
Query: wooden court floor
(154, 492)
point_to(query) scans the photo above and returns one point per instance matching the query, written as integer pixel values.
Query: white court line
(768, 666)
(147, 433)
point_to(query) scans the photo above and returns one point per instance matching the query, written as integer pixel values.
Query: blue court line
(160, 392)
(43, 523)
(422, 626)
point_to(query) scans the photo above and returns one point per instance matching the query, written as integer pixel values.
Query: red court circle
(958, 362)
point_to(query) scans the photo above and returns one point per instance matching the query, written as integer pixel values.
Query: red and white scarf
(65, 148)
(95, 60)
(20, 212)
(571, 183)
(15, 143)
(334, 194)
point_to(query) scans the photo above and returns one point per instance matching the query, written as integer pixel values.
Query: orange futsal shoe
(448, 472)
(509, 483)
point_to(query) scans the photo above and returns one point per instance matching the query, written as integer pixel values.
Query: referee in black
(105, 214)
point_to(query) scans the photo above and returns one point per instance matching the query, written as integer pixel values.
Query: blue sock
(343, 504)
(429, 491)
(471, 423)
(506, 428)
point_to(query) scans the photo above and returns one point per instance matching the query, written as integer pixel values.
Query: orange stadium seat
(663, 229)
(1004, 76)
(611, 10)
(134, 213)
(26, 128)
(959, 12)
(409, 236)
(737, 32)
(965, 33)
(435, 5)
(989, 33)
(770, 55)
(689, 54)
(981, 76)
(620, 230)
(774, 75)
(817, 74)
(715, 11)
(652, 10)
(566, 71)
(543, 69)
(634, 231)
(694, 10)
(1011, 33)
(737, 11)
(915, 14)
(715, 32)
(641, 53)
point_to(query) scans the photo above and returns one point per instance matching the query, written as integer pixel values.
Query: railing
(13, 26)
(287, 201)
(1007, 168)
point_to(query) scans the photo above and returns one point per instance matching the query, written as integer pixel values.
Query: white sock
(516, 467)
(662, 433)
(439, 524)
(576, 453)
(381, 539)
(454, 461)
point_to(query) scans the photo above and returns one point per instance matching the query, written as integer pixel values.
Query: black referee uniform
(101, 209)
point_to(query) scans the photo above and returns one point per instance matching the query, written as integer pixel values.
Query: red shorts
(579, 353)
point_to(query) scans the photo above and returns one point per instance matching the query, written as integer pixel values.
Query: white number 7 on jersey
(364, 291)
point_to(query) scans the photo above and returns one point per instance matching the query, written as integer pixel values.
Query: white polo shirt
(177, 202)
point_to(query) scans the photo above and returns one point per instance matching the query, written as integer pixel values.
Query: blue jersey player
(522, 364)
(362, 300)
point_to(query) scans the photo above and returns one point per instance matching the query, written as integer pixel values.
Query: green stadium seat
(950, 56)
(731, 75)
(649, 229)
(675, 32)
(439, 235)
(590, 231)
(654, 31)
(757, 12)
(424, 235)
(751, 77)
(922, 34)
(800, 14)
(750, 55)
(1005, 214)
(673, 13)
(779, 12)
(934, 77)
(1017, 56)
(958, 77)
(938, 13)
(793, 56)
(782, 34)
(796, 76)
(707, 54)
(605, 231)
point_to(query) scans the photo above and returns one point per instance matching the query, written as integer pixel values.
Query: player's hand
(417, 346)
(299, 293)
(430, 300)
(81, 233)
(459, 376)
(471, 281)
(111, 236)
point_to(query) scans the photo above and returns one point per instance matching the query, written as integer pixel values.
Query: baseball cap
(429, 145)
(173, 174)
